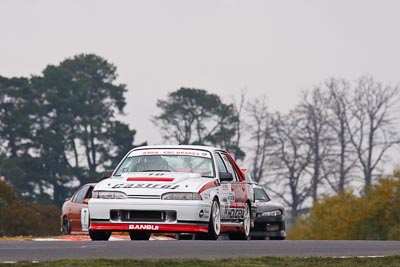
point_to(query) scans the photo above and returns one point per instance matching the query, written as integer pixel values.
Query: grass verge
(261, 261)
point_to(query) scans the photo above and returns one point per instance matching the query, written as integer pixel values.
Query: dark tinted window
(80, 195)
(261, 195)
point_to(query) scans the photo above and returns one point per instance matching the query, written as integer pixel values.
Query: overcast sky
(272, 48)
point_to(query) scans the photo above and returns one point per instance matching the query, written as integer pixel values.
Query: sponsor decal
(150, 186)
(85, 219)
(226, 187)
(234, 213)
(143, 227)
(239, 193)
(206, 196)
(206, 214)
(231, 197)
(150, 153)
(201, 213)
(196, 153)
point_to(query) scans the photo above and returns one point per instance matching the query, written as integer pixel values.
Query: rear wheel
(139, 235)
(66, 226)
(245, 232)
(99, 235)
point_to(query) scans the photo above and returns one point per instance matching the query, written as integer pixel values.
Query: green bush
(373, 216)
(18, 217)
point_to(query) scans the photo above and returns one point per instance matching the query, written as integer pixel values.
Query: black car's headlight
(109, 195)
(271, 213)
(181, 196)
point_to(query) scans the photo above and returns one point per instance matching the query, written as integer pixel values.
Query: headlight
(181, 196)
(272, 213)
(108, 195)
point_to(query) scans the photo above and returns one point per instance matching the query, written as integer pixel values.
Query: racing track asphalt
(168, 249)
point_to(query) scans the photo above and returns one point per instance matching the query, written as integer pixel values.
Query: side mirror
(106, 174)
(225, 176)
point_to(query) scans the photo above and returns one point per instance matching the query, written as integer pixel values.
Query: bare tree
(261, 133)
(372, 123)
(342, 161)
(313, 111)
(239, 106)
(290, 161)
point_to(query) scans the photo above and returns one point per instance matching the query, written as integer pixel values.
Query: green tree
(194, 116)
(15, 122)
(76, 130)
(120, 139)
(61, 126)
(85, 101)
(16, 134)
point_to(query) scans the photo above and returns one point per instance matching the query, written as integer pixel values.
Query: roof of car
(207, 148)
(89, 184)
(256, 185)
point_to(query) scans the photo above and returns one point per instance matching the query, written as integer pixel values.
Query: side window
(231, 169)
(80, 195)
(220, 164)
(89, 193)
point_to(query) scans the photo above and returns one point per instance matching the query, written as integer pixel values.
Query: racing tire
(245, 233)
(214, 226)
(139, 235)
(99, 235)
(66, 226)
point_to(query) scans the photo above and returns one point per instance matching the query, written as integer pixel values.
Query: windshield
(168, 160)
(261, 195)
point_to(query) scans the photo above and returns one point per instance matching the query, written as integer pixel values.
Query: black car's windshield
(261, 195)
(168, 160)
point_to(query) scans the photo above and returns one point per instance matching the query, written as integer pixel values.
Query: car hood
(268, 206)
(154, 182)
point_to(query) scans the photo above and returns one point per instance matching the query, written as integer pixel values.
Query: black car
(270, 217)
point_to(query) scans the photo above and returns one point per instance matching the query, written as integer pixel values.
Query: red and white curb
(87, 238)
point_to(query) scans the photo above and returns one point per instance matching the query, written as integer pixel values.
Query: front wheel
(214, 226)
(139, 235)
(99, 235)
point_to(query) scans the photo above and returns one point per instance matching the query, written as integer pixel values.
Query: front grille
(142, 216)
(268, 226)
(272, 227)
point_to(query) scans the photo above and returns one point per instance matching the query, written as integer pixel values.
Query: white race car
(173, 189)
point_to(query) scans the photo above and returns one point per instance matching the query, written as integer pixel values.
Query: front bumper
(269, 226)
(153, 215)
(163, 228)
